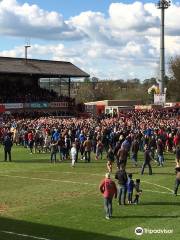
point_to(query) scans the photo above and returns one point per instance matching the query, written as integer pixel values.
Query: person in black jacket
(160, 149)
(135, 149)
(138, 191)
(121, 176)
(122, 156)
(7, 147)
(177, 181)
(147, 160)
(177, 152)
(152, 146)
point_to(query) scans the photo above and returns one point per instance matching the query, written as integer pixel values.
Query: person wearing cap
(109, 190)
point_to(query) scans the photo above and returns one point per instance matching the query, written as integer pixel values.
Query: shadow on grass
(40, 231)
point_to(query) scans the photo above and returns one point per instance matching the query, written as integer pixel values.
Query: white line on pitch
(102, 176)
(84, 183)
(48, 179)
(93, 174)
(147, 190)
(158, 186)
(25, 235)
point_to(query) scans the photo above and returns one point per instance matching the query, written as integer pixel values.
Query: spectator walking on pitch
(177, 151)
(99, 149)
(30, 141)
(7, 147)
(135, 149)
(177, 181)
(109, 190)
(137, 192)
(130, 187)
(73, 154)
(121, 176)
(122, 156)
(147, 160)
(87, 149)
(160, 154)
(110, 159)
(54, 150)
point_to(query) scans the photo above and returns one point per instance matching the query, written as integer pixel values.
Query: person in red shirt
(30, 141)
(1, 135)
(176, 140)
(109, 190)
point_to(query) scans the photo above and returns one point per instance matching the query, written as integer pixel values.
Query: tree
(87, 80)
(85, 93)
(95, 79)
(174, 66)
(173, 86)
(149, 82)
(90, 91)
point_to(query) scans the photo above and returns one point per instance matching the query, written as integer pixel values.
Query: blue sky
(73, 7)
(108, 39)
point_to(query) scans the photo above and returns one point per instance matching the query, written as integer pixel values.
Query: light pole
(162, 4)
(26, 48)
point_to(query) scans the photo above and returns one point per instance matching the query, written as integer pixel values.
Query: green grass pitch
(39, 200)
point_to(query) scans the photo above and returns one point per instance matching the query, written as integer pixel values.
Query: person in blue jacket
(130, 187)
(56, 135)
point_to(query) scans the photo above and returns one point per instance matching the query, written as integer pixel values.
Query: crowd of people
(155, 130)
(121, 138)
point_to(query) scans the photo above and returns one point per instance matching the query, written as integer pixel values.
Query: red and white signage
(2, 108)
(159, 99)
(13, 105)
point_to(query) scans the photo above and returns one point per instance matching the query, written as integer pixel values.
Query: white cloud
(172, 16)
(16, 52)
(131, 16)
(124, 42)
(30, 20)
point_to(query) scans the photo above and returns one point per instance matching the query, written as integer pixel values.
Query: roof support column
(60, 86)
(69, 87)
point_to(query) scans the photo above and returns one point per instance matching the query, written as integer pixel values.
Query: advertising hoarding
(159, 99)
(39, 105)
(13, 105)
(59, 104)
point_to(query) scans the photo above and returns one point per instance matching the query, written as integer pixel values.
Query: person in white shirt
(73, 154)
